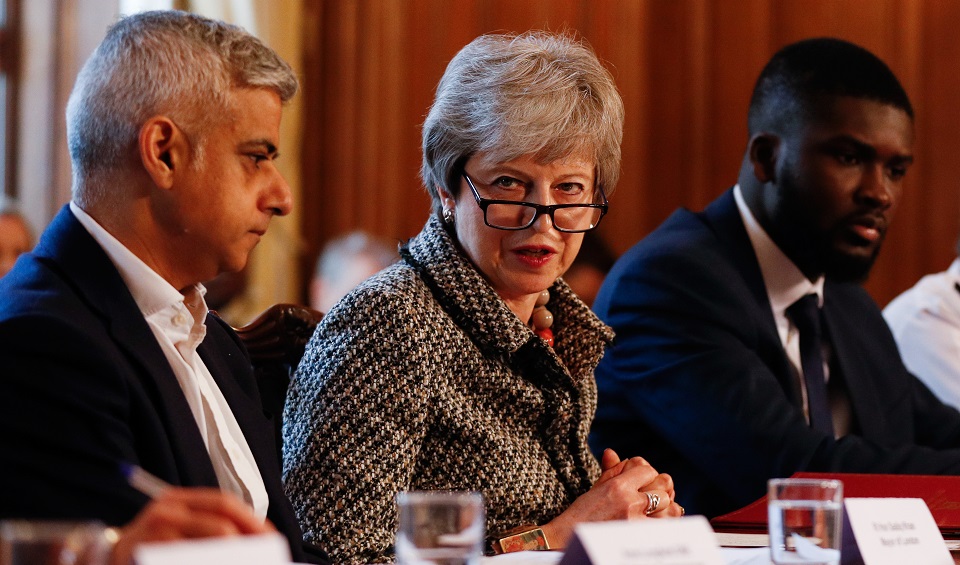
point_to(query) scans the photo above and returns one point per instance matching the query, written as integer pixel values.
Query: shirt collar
(784, 281)
(151, 292)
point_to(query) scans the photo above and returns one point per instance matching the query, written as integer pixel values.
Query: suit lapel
(231, 370)
(723, 216)
(854, 363)
(230, 367)
(88, 268)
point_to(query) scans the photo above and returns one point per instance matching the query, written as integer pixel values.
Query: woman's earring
(448, 216)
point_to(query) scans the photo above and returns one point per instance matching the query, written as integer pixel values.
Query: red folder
(942, 495)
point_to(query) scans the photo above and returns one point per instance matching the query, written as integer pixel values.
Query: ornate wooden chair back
(276, 340)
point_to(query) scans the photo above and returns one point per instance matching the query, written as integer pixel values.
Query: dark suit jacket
(84, 386)
(698, 383)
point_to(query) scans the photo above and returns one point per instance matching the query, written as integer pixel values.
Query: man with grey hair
(111, 358)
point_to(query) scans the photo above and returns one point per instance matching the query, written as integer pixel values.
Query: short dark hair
(802, 74)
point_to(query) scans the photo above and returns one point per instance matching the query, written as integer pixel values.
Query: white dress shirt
(177, 321)
(925, 321)
(786, 284)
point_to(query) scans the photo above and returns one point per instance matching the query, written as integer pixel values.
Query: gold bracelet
(524, 538)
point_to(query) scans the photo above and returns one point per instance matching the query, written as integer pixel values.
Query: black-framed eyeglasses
(516, 215)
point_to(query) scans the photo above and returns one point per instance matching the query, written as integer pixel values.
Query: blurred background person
(468, 365)
(345, 262)
(16, 237)
(925, 321)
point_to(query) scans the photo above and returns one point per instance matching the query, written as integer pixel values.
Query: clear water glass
(805, 520)
(440, 528)
(27, 542)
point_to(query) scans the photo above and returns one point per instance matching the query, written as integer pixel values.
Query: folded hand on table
(619, 494)
(182, 513)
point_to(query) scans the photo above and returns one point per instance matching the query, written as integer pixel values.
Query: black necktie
(805, 314)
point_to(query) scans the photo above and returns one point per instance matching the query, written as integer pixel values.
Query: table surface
(731, 556)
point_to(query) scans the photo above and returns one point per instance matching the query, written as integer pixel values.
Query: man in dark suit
(715, 376)
(110, 356)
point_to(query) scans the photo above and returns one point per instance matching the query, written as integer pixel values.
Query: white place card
(529, 557)
(267, 549)
(894, 531)
(678, 541)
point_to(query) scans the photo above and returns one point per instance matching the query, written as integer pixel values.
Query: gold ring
(682, 510)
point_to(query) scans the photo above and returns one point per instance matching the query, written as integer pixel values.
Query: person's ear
(446, 199)
(764, 149)
(163, 149)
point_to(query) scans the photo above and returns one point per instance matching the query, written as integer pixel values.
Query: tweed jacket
(422, 379)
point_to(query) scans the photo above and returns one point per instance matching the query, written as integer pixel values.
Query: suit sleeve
(66, 425)
(692, 361)
(936, 424)
(356, 414)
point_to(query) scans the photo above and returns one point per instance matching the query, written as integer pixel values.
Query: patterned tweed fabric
(423, 379)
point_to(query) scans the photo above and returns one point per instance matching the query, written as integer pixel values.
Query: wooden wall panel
(685, 69)
(925, 234)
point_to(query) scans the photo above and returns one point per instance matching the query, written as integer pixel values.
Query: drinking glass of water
(440, 528)
(24, 542)
(805, 518)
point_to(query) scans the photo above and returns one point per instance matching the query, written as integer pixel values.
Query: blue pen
(145, 482)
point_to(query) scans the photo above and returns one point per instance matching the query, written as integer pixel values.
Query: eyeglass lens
(519, 215)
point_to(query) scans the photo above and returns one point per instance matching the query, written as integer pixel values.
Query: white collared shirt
(925, 320)
(177, 321)
(786, 284)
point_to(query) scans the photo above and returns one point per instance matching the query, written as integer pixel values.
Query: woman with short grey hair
(550, 97)
(468, 364)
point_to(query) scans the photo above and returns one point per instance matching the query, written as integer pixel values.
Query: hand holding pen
(147, 483)
(183, 513)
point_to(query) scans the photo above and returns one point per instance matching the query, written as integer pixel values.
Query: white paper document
(267, 549)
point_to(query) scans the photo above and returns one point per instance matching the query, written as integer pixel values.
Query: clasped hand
(619, 494)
